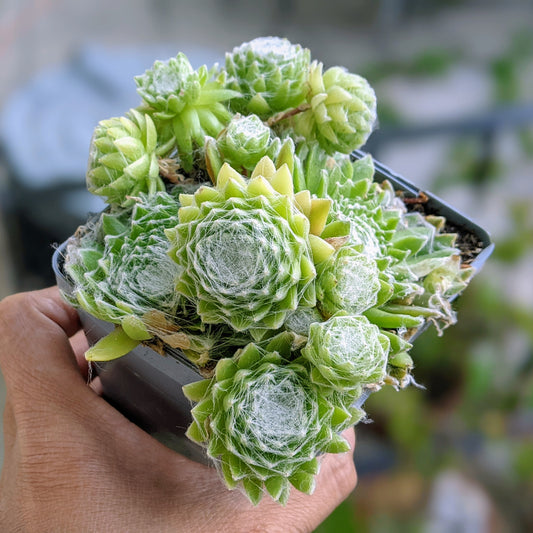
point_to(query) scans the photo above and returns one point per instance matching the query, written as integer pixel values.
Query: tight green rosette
(342, 110)
(266, 424)
(270, 73)
(300, 320)
(244, 250)
(351, 282)
(192, 101)
(347, 352)
(123, 159)
(432, 264)
(122, 271)
(242, 143)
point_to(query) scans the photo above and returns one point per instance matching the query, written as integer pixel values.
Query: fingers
(96, 386)
(79, 346)
(10, 427)
(35, 328)
(49, 304)
(337, 477)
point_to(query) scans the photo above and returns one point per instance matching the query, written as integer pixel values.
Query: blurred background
(454, 84)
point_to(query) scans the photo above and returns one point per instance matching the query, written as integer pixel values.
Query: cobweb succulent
(244, 233)
(192, 101)
(270, 73)
(346, 352)
(350, 281)
(123, 159)
(244, 141)
(122, 271)
(266, 423)
(245, 251)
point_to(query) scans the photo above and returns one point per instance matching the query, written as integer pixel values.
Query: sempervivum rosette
(265, 422)
(432, 264)
(413, 246)
(191, 101)
(242, 143)
(342, 110)
(271, 75)
(123, 273)
(347, 352)
(246, 250)
(123, 159)
(350, 281)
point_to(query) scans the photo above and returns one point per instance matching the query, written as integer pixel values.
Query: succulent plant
(192, 101)
(399, 370)
(185, 334)
(270, 73)
(346, 352)
(244, 250)
(342, 110)
(350, 281)
(245, 141)
(122, 271)
(371, 209)
(265, 423)
(123, 159)
(406, 246)
(300, 320)
(433, 265)
(241, 144)
(292, 280)
(312, 166)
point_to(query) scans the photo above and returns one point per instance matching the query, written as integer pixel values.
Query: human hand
(74, 464)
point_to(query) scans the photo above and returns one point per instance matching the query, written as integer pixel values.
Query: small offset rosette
(347, 353)
(342, 110)
(189, 103)
(270, 73)
(123, 159)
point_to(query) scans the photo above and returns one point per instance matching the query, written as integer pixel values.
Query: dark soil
(467, 242)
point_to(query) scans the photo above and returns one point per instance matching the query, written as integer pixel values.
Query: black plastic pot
(147, 387)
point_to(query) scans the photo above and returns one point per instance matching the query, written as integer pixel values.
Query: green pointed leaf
(303, 482)
(196, 391)
(253, 489)
(112, 346)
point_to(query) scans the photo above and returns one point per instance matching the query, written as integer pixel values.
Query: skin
(74, 463)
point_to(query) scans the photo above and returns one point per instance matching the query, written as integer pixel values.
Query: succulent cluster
(243, 232)
(266, 422)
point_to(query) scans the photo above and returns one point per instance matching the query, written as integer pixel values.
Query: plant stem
(272, 121)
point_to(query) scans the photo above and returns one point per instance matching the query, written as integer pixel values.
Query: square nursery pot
(147, 387)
